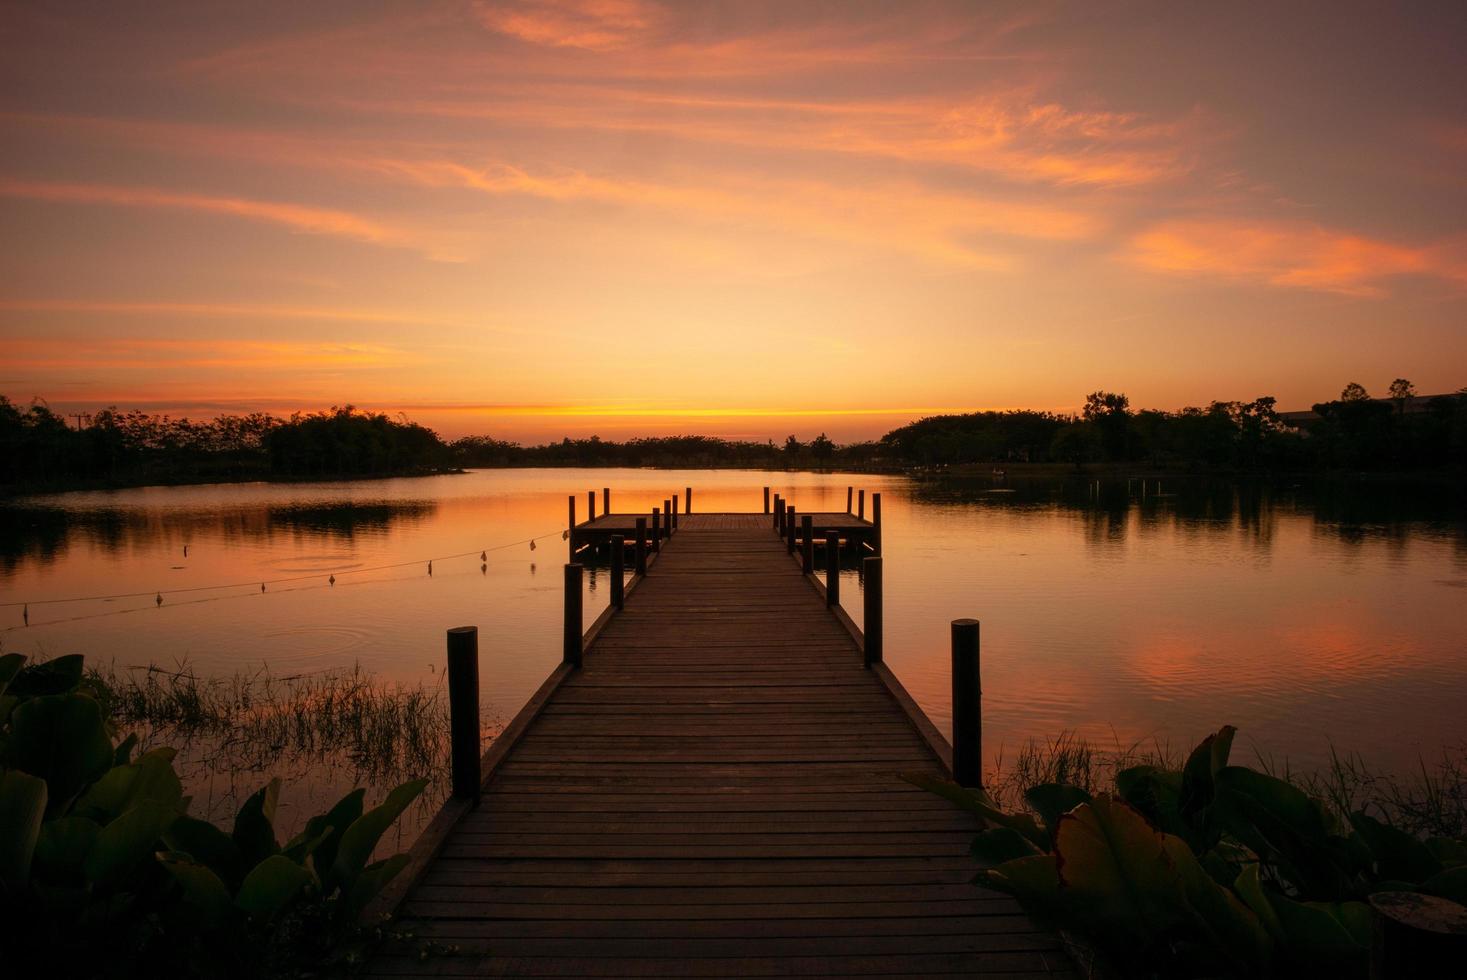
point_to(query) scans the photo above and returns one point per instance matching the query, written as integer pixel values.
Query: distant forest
(1355, 431)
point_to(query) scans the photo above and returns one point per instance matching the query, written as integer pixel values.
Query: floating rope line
(483, 555)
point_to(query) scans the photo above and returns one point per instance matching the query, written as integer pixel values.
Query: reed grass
(1429, 801)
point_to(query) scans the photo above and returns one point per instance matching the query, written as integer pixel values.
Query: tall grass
(1429, 801)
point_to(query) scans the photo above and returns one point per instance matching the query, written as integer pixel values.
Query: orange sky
(532, 219)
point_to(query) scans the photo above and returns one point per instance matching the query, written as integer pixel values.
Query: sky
(536, 219)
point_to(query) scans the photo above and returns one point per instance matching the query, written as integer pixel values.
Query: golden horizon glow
(744, 218)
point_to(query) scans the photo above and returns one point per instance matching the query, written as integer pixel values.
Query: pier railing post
(463, 710)
(789, 527)
(618, 571)
(667, 517)
(778, 514)
(688, 499)
(832, 567)
(861, 504)
(590, 505)
(849, 491)
(606, 500)
(641, 556)
(766, 500)
(574, 626)
(871, 629)
(807, 538)
(876, 523)
(656, 530)
(967, 705)
(674, 512)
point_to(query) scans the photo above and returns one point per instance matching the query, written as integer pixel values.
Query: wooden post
(590, 505)
(641, 546)
(832, 567)
(766, 500)
(967, 705)
(656, 530)
(574, 627)
(463, 710)
(667, 518)
(618, 571)
(572, 517)
(778, 514)
(872, 597)
(688, 499)
(807, 538)
(674, 512)
(606, 500)
(849, 491)
(876, 523)
(789, 526)
(861, 504)
(1416, 935)
(571, 534)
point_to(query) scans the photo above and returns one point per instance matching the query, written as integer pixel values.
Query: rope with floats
(331, 573)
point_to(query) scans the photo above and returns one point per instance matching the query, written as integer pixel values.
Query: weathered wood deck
(715, 793)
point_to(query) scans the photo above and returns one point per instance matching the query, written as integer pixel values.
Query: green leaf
(999, 844)
(1397, 854)
(61, 852)
(1448, 850)
(22, 807)
(49, 677)
(270, 886)
(1281, 823)
(10, 665)
(1034, 881)
(361, 838)
(63, 739)
(203, 892)
(1232, 931)
(125, 842)
(150, 778)
(1451, 883)
(1194, 802)
(1052, 800)
(123, 755)
(977, 801)
(254, 825)
(206, 844)
(1250, 888)
(333, 824)
(1156, 793)
(372, 880)
(1333, 936)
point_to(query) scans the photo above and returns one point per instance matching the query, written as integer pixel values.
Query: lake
(1125, 611)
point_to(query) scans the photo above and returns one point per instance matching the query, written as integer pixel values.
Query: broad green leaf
(204, 893)
(1333, 937)
(1250, 888)
(1194, 803)
(22, 807)
(1053, 800)
(1281, 823)
(254, 825)
(1156, 793)
(1034, 881)
(1231, 929)
(1000, 844)
(361, 838)
(206, 844)
(1115, 867)
(125, 842)
(1397, 854)
(333, 823)
(48, 677)
(1451, 883)
(150, 778)
(63, 739)
(373, 879)
(123, 755)
(270, 886)
(977, 801)
(63, 848)
(10, 665)
(1448, 850)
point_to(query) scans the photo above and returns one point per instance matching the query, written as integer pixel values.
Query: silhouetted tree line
(1355, 431)
(39, 449)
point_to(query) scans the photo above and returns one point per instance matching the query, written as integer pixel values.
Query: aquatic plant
(1207, 870)
(103, 871)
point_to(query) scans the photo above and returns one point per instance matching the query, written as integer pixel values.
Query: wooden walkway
(715, 792)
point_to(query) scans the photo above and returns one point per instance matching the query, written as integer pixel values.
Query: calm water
(1302, 617)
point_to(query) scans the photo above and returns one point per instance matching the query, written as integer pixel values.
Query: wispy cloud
(1290, 254)
(597, 25)
(173, 354)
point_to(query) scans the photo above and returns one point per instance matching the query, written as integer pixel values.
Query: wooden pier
(710, 786)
